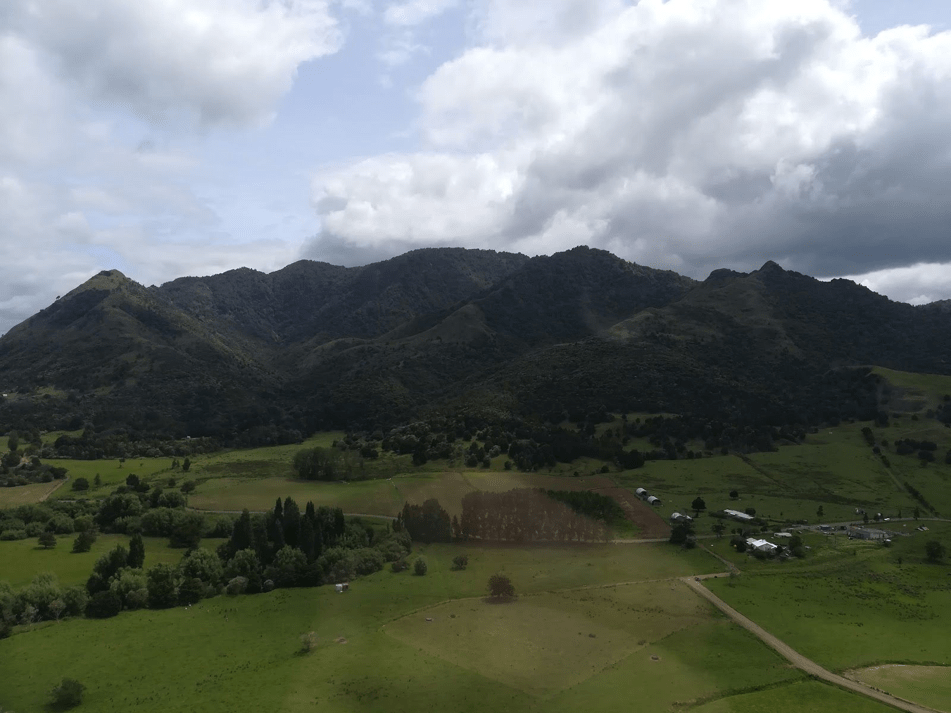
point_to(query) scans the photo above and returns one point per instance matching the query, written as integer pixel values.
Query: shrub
(420, 567)
(460, 561)
(13, 535)
(237, 585)
(399, 565)
(67, 694)
(501, 586)
(81, 484)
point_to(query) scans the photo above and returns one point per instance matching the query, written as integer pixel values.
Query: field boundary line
(798, 660)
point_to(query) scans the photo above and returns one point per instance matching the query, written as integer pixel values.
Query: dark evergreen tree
(307, 539)
(241, 536)
(136, 552)
(278, 509)
(310, 513)
(291, 522)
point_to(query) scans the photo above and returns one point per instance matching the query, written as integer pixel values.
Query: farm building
(642, 493)
(653, 500)
(737, 515)
(345, 587)
(782, 534)
(761, 545)
(680, 517)
(863, 533)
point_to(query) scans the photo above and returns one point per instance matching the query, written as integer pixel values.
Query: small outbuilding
(653, 500)
(642, 493)
(737, 515)
(680, 517)
(342, 587)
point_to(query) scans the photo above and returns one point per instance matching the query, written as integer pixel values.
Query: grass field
(377, 497)
(849, 610)
(26, 494)
(654, 642)
(800, 696)
(928, 685)
(22, 560)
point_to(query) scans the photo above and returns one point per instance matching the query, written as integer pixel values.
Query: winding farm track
(797, 659)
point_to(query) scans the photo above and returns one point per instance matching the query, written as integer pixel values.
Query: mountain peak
(770, 267)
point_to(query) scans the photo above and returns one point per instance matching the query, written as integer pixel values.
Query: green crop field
(22, 560)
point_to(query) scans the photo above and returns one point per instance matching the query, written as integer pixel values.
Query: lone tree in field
(501, 586)
(934, 550)
(698, 504)
(419, 566)
(68, 694)
(820, 512)
(48, 540)
(734, 495)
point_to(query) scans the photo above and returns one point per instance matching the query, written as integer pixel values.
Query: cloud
(917, 284)
(98, 101)
(210, 63)
(415, 12)
(689, 134)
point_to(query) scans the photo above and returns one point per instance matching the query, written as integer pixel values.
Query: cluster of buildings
(647, 497)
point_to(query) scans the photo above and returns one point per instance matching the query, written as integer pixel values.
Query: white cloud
(415, 12)
(209, 63)
(81, 84)
(918, 284)
(690, 134)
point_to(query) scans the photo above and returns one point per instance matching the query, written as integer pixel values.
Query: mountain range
(315, 345)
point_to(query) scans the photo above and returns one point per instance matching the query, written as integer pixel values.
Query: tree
(13, 442)
(188, 486)
(81, 484)
(734, 495)
(718, 528)
(47, 540)
(288, 567)
(820, 512)
(106, 567)
(698, 504)
(161, 586)
(98, 480)
(190, 591)
(501, 586)
(186, 464)
(67, 694)
(186, 529)
(308, 642)
(916, 513)
(420, 567)
(136, 551)
(203, 565)
(84, 541)
(103, 605)
(460, 561)
(934, 550)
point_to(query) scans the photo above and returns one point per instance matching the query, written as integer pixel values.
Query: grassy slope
(928, 685)
(22, 560)
(239, 653)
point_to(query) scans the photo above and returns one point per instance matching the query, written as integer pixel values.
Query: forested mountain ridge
(315, 345)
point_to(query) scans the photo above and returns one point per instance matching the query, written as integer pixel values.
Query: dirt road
(797, 659)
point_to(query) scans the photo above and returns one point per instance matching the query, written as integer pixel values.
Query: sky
(167, 138)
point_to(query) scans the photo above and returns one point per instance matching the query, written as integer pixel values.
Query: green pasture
(26, 494)
(794, 698)
(928, 685)
(854, 610)
(914, 392)
(112, 473)
(655, 643)
(22, 560)
(380, 496)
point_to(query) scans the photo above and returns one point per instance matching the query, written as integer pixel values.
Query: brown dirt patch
(646, 518)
